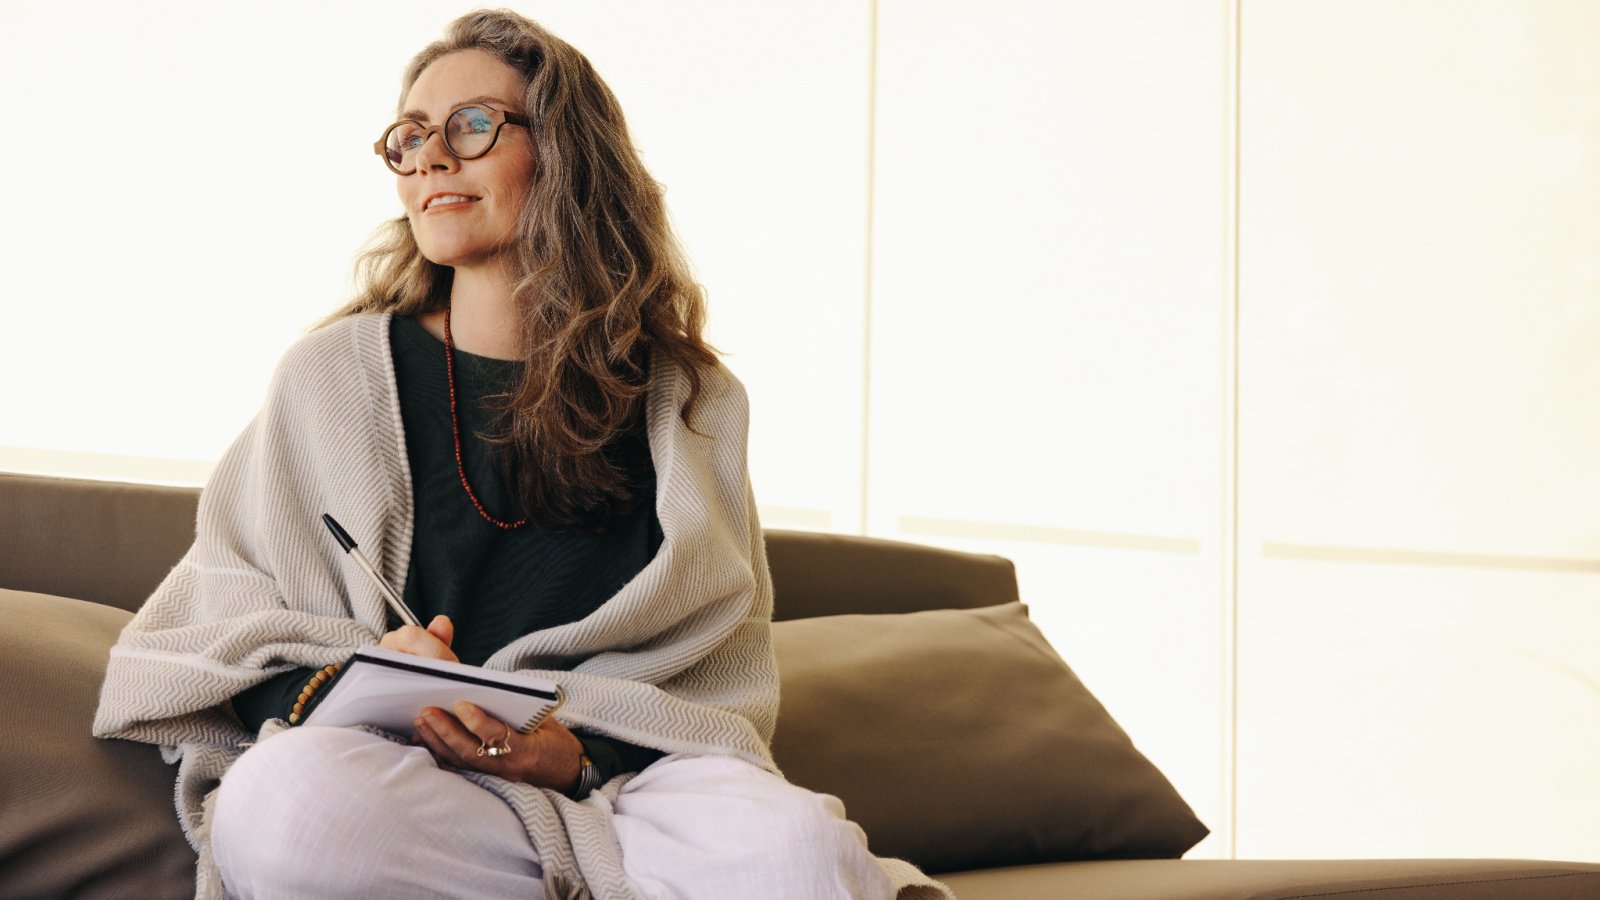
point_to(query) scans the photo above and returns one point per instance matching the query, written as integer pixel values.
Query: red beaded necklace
(455, 432)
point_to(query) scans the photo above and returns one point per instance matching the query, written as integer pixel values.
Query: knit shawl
(680, 659)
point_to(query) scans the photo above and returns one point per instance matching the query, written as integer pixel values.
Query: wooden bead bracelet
(317, 681)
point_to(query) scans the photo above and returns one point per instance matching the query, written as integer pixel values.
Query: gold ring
(502, 748)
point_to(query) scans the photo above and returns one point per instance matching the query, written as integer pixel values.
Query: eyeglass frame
(500, 117)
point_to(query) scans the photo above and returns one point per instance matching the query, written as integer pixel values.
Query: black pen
(349, 545)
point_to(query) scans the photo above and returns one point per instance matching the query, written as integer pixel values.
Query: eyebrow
(418, 115)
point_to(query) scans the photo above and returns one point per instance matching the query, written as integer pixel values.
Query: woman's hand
(433, 641)
(548, 757)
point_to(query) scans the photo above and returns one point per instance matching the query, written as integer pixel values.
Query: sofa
(913, 688)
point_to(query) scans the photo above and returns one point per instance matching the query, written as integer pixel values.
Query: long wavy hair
(602, 285)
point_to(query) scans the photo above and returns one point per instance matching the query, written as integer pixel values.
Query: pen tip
(339, 534)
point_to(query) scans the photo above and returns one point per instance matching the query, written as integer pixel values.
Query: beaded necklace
(455, 432)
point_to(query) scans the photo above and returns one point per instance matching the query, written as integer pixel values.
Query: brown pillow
(79, 817)
(958, 739)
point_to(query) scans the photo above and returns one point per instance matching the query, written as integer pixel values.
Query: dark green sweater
(495, 585)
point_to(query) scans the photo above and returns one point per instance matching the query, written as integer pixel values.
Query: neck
(483, 315)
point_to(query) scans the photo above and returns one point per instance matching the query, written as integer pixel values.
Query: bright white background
(1264, 336)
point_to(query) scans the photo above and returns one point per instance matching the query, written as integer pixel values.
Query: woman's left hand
(547, 757)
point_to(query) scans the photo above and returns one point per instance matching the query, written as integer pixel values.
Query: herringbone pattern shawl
(680, 659)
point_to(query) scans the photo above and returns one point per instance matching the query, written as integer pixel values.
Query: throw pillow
(958, 739)
(79, 817)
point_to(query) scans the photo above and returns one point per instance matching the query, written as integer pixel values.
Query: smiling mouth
(448, 199)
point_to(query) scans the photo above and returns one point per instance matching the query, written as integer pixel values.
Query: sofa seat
(1340, 879)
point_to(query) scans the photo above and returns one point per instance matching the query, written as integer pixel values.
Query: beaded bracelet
(317, 681)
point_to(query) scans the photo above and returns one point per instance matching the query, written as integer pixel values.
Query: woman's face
(464, 213)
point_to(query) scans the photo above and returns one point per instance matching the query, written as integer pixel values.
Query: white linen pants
(336, 812)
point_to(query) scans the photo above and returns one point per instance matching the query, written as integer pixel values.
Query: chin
(458, 253)
(452, 256)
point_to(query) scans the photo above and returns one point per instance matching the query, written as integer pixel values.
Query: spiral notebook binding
(533, 724)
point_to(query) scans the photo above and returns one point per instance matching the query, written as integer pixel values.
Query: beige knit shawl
(680, 659)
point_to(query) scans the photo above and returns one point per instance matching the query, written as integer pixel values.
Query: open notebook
(386, 689)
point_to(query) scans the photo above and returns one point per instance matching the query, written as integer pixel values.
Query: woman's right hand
(433, 641)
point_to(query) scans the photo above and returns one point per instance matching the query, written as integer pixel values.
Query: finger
(458, 746)
(442, 629)
(404, 639)
(436, 745)
(486, 727)
(417, 642)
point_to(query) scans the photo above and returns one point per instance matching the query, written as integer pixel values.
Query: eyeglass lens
(467, 135)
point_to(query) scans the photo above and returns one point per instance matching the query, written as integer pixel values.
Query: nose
(433, 156)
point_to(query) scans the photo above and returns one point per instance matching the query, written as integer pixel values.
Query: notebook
(386, 689)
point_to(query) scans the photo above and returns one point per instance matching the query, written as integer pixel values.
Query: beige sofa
(914, 688)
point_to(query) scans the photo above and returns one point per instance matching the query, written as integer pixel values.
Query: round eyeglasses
(469, 132)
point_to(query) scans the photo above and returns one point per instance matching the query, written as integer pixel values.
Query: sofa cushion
(79, 817)
(819, 574)
(1275, 879)
(959, 739)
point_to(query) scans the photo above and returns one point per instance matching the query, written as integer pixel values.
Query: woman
(519, 420)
